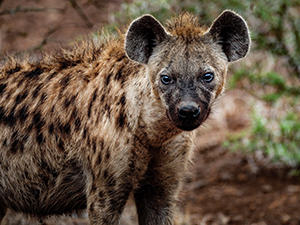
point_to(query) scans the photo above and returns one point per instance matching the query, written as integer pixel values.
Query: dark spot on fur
(36, 91)
(84, 133)
(25, 138)
(74, 113)
(102, 97)
(99, 159)
(20, 97)
(107, 156)
(121, 58)
(9, 119)
(61, 145)
(77, 124)
(94, 145)
(68, 101)
(16, 143)
(37, 121)
(51, 76)
(51, 128)
(88, 142)
(107, 80)
(13, 147)
(14, 70)
(52, 109)
(122, 100)
(40, 138)
(121, 119)
(23, 113)
(4, 142)
(2, 113)
(107, 109)
(119, 74)
(43, 98)
(66, 63)
(34, 73)
(2, 88)
(65, 81)
(101, 194)
(111, 182)
(105, 174)
(91, 102)
(94, 188)
(29, 128)
(65, 128)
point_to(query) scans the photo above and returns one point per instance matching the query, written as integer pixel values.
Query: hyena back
(86, 127)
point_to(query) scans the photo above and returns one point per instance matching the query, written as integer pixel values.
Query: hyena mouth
(188, 123)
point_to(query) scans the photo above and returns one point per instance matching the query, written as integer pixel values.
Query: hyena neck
(153, 125)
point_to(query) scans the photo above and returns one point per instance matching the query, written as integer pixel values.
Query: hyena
(84, 128)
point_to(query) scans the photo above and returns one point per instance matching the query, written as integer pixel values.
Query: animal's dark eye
(165, 79)
(208, 77)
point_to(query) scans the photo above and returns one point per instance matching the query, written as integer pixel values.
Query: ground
(223, 187)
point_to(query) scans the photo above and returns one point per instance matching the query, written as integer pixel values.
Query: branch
(80, 12)
(280, 42)
(18, 9)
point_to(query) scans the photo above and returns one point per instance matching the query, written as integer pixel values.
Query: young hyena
(85, 128)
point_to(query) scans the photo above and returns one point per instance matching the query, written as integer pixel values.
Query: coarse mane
(185, 26)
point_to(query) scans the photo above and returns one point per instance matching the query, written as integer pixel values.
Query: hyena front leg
(154, 201)
(107, 197)
(157, 194)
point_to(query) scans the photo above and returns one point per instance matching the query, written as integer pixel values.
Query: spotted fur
(86, 127)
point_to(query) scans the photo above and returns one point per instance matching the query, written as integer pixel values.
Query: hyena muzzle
(84, 128)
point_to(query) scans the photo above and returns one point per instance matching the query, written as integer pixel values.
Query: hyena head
(186, 64)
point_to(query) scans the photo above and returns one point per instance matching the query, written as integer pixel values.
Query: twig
(80, 12)
(19, 9)
(282, 48)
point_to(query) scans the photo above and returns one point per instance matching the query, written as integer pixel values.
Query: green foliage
(273, 85)
(278, 138)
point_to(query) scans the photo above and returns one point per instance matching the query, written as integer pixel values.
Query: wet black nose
(189, 112)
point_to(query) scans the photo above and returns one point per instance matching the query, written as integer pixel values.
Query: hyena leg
(157, 194)
(155, 201)
(106, 201)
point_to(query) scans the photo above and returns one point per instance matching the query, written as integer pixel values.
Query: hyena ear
(142, 36)
(231, 32)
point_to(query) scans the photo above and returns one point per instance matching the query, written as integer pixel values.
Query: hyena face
(187, 80)
(187, 65)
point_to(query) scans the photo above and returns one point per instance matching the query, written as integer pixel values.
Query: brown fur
(85, 127)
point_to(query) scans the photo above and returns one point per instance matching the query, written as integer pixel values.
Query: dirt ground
(223, 187)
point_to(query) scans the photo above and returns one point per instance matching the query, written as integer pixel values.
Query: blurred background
(247, 156)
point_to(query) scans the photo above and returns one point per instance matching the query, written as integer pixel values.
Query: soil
(223, 187)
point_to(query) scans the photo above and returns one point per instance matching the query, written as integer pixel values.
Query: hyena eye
(208, 77)
(165, 79)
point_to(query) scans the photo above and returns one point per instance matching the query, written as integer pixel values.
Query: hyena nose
(189, 112)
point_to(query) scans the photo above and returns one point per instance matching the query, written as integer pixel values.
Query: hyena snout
(189, 115)
(188, 111)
